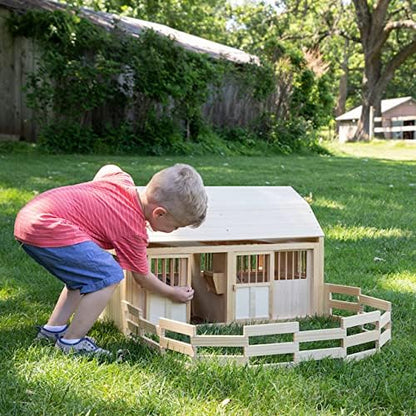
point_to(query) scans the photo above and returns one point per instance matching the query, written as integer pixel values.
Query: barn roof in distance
(134, 27)
(248, 213)
(386, 105)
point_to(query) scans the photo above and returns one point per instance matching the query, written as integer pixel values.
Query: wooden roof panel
(249, 213)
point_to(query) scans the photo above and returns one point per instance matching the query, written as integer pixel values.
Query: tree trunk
(343, 82)
(371, 97)
(375, 28)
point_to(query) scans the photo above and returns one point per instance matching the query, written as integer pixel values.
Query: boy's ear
(159, 212)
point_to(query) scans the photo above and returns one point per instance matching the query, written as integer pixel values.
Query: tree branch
(401, 24)
(380, 11)
(363, 18)
(347, 36)
(388, 28)
(394, 63)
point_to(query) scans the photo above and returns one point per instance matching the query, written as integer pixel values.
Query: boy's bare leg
(88, 311)
(65, 306)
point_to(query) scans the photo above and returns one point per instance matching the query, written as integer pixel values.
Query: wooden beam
(271, 329)
(375, 302)
(219, 341)
(320, 335)
(344, 305)
(271, 349)
(178, 327)
(319, 354)
(361, 319)
(341, 289)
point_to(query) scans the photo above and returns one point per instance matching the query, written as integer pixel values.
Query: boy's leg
(90, 275)
(65, 306)
(89, 309)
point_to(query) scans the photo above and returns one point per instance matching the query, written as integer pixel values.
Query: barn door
(252, 289)
(292, 284)
(174, 271)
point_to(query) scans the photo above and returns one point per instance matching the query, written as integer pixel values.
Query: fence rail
(359, 335)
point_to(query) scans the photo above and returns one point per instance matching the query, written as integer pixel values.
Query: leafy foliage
(151, 91)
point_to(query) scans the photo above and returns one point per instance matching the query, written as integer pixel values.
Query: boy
(68, 229)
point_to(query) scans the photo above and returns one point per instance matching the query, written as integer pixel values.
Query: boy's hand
(182, 294)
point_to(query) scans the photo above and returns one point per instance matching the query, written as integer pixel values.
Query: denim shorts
(84, 266)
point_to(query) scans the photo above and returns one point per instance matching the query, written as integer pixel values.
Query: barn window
(253, 268)
(290, 265)
(172, 271)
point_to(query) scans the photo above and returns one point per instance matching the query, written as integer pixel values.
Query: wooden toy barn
(258, 256)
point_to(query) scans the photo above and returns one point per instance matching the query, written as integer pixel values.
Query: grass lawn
(364, 197)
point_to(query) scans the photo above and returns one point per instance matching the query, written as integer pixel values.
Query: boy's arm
(174, 293)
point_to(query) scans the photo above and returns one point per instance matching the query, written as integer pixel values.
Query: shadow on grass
(364, 217)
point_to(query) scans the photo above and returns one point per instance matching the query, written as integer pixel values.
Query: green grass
(364, 198)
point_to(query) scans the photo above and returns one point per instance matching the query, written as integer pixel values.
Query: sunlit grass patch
(354, 233)
(400, 282)
(369, 242)
(327, 203)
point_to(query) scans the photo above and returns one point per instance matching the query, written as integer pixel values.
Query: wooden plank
(361, 319)
(194, 247)
(150, 343)
(344, 305)
(320, 335)
(147, 326)
(114, 309)
(132, 326)
(9, 137)
(385, 319)
(219, 340)
(260, 299)
(271, 365)
(178, 346)
(242, 303)
(271, 329)
(362, 338)
(227, 216)
(360, 355)
(394, 129)
(242, 285)
(223, 359)
(319, 354)
(317, 301)
(176, 326)
(271, 349)
(384, 337)
(292, 298)
(231, 264)
(132, 309)
(375, 302)
(344, 290)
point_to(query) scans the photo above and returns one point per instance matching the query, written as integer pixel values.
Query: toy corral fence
(361, 334)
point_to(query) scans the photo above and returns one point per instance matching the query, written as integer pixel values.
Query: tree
(382, 54)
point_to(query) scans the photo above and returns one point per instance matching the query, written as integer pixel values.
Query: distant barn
(397, 121)
(18, 58)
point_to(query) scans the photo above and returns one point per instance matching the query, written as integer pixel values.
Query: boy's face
(162, 221)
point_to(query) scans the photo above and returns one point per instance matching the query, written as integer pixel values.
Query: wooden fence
(360, 335)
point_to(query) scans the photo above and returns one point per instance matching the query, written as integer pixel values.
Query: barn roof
(386, 105)
(247, 213)
(135, 26)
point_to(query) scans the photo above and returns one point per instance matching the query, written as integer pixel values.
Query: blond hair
(180, 190)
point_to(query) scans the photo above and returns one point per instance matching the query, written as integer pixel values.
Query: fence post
(371, 126)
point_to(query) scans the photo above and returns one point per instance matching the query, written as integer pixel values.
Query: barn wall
(346, 130)
(234, 107)
(404, 110)
(17, 58)
(229, 106)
